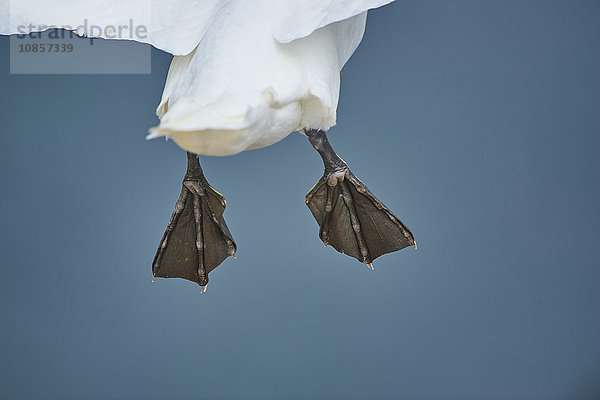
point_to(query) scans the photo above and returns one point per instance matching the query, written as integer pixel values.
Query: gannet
(245, 74)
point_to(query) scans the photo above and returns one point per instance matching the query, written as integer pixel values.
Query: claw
(370, 266)
(203, 289)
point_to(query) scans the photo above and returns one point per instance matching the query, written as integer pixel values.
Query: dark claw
(197, 238)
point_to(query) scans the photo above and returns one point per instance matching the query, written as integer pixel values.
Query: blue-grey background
(476, 122)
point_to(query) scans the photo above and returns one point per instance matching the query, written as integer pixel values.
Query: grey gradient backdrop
(476, 122)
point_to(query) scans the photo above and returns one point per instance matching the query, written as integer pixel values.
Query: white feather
(175, 26)
(245, 73)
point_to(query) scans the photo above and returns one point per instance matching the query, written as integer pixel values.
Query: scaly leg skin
(350, 217)
(197, 239)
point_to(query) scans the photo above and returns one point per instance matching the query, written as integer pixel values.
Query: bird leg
(197, 239)
(350, 217)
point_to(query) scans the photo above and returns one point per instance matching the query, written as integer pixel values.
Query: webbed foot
(351, 218)
(197, 238)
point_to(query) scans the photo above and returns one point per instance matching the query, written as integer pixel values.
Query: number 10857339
(46, 48)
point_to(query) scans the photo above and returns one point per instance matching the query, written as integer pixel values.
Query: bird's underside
(350, 217)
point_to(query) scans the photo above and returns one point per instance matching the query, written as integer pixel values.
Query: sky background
(476, 122)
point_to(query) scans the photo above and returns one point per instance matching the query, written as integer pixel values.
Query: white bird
(245, 74)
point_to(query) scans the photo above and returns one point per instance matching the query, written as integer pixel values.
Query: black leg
(351, 218)
(197, 239)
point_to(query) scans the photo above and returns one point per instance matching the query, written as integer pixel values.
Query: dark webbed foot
(197, 239)
(351, 218)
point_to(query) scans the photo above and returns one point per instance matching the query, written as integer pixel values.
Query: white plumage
(246, 73)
